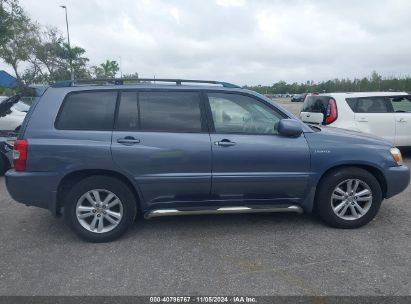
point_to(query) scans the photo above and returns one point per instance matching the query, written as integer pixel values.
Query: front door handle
(402, 119)
(224, 143)
(128, 140)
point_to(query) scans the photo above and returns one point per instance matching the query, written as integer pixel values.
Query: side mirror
(290, 128)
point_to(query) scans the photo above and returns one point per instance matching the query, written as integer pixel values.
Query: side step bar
(223, 210)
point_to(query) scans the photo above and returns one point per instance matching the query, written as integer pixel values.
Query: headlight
(396, 155)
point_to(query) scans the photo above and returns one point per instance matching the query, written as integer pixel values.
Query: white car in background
(385, 114)
(12, 113)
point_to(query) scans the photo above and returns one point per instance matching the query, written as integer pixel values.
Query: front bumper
(33, 188)
(398, 179)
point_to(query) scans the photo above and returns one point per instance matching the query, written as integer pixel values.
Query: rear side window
(316, 104)
(377, 104)
(88, 111)
(401, 104)
(160, 111)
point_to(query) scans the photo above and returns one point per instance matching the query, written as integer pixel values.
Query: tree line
(373, 83)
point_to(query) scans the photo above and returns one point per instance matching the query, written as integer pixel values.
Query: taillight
(20, 154)
(331, 112)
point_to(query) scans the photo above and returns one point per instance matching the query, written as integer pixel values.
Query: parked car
(6, 149)
(299, 97)
(102, 153)
(13, 110)
(385, 114)
(12, 113)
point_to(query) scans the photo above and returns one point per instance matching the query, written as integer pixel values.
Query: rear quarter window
(316, 104)
(401, 104)
(87, 111)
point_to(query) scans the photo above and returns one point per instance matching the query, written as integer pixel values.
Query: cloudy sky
(241, 41)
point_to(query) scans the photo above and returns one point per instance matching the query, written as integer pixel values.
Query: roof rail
(121, 81)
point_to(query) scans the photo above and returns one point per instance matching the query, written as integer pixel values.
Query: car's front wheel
(348, 197)
(100, 208)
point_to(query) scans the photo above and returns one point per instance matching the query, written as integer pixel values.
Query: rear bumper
(33, 188)
(398, 179)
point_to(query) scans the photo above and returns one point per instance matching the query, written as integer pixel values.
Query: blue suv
(101, 152)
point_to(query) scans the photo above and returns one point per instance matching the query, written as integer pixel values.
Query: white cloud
(239, 41)
(175, 13)
(228, 3)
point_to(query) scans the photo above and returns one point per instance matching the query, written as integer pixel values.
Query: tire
(325, 202)
(81, 197)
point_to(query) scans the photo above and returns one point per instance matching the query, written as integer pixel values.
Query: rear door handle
(363, 119)
(128, 140)
(224, 143)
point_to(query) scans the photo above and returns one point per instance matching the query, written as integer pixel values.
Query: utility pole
(68, 42)
(121, 70)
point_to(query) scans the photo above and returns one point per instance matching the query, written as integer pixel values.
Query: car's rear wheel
(100, 208)
(348, 197)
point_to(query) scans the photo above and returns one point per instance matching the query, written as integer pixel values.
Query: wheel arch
(74, 177)
(377, 173)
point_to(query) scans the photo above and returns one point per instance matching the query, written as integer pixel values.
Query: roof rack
(121, 81)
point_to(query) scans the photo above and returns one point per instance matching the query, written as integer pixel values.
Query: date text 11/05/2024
(203, 299)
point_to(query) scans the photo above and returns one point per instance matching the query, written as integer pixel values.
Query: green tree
(5, 22)
(43, 51)
(106, 69)
(79, 62)
(51, 58)
(133, 75)
(18, 35)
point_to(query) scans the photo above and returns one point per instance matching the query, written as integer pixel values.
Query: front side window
(234, 113)
(88, 111)
(160, 112)
(401, 104)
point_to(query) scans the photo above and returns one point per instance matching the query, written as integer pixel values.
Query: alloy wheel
(351, 199)
(99, 210)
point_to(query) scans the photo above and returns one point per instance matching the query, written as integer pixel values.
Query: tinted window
(316, 104)
(88, 111)
(377, 104)
(352, 102)
(242, 114)
(170, 111)
(128, 112)
(401, 104)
